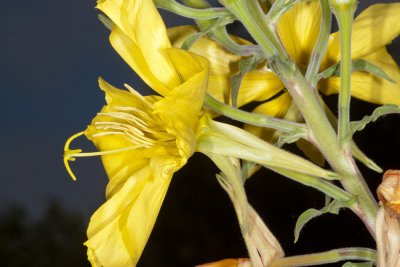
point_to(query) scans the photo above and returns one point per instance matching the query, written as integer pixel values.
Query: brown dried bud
(389, 192)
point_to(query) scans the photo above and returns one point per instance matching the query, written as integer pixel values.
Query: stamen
(106, 133)
(124, 116)
(133, 92)
(136, 128)
(117, 126)
(101, 153)
(134, 134)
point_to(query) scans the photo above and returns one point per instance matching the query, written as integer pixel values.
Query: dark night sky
(51, 54)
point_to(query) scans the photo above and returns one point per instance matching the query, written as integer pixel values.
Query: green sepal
(358, 65)
(106, 21)
(358, 264)
(220, 138)
(359, 155)
(378, 112)
(363, 65)
(333, 207)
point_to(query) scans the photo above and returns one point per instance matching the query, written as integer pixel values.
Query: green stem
(194, 13)
(332, 256)
(356, 151)
(307, 101)
(252, 17)
(322, 42)
(197, 3)
(220, 34)
(344, 12)
(278, 8)
(254, 119)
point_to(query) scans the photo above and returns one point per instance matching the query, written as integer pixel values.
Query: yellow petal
(223, 64)
(275, 108)
(180, 109)
(138, 177)
(177, 35)
(375, 27)
(116, 164)
(299, 28)
(258, 85)
(120, 228)
(139, 36)
(369, 87)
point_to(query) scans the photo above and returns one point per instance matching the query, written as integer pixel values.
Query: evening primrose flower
(142, 140)
(298, 29)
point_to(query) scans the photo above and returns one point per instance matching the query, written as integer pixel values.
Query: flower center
(137, 125)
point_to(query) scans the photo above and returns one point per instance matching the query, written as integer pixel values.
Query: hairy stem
(332, 256)
(322, 42)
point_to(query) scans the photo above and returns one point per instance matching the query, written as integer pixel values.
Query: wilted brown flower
(389, 192)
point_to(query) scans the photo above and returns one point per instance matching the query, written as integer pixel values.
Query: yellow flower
(142, 140)
(298, 29)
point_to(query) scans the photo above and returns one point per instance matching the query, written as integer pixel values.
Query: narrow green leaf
(333, 70)
(332, 207)
(378, 112)
(303, 219)
(359, 155)
(363, 65)
(358, 65)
